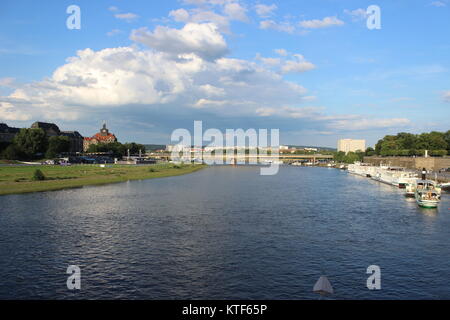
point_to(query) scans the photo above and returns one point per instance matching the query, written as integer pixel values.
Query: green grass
(19, 179)
(2, 161)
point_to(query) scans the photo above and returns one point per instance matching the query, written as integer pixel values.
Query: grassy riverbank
(19, 179)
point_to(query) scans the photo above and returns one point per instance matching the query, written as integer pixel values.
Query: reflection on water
(225, 233)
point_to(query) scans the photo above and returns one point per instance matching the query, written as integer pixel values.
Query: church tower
(104, 131)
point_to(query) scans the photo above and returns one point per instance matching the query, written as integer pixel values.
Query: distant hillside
(154, 147)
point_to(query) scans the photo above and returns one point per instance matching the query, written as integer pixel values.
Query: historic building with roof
(52, 130)
(76, 140)
(104, 136)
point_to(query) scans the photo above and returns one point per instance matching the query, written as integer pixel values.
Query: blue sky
(310, 68)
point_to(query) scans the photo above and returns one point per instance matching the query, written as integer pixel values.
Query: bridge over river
(249, 158)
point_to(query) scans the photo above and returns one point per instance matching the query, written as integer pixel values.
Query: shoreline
(17, 179)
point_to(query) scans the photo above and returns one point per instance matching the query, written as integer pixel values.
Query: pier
(414, 163)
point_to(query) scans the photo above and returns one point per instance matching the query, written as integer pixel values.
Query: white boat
(410, 190)
(404, 178)
(445, 186)
(360, 169)
(427, 194)
(378, 172)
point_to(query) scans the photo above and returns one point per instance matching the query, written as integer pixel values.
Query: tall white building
(350, 145)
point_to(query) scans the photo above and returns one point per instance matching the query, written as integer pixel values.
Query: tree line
(117, 149)
(408, 144)
(350, 157)
(402, 144)
(32, 144)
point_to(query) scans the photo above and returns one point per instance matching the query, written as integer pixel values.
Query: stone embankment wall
(417, 163)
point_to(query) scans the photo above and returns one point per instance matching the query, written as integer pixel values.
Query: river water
(225, 233)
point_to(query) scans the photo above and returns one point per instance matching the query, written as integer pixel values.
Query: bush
(13, 152)
(153, 170)
(38, 175)
(438, 153)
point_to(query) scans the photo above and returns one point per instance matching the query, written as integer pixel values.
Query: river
(225, 233)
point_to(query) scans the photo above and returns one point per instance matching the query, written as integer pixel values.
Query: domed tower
(104, 131)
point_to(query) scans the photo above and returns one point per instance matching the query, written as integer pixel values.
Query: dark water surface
(225, 233)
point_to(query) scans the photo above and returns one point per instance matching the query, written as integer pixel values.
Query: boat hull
(429, 204)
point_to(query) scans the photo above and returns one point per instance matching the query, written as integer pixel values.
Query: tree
(57, 145)
(38, 175)
(339, 156)
(117, 149)
(437, 141)
(134, 148)
(31, 141)
(12, 152)
(370, 152)
(3, 146)
(447, 139)
(407, 144)
(406, 140)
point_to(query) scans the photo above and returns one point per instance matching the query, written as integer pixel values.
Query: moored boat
(445, 186)
(410, 190)
(427, 194)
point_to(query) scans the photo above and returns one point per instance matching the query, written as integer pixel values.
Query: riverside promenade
(434, 164)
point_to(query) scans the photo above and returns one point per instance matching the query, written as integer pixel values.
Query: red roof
(100, 137)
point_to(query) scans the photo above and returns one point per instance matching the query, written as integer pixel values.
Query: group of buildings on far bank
(344, 145)
(78, 143)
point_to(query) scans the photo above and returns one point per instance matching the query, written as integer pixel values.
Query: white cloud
(113, 9)
(212, 91)
(269, 61)
(180, 15)
(9, 112)
(438, 4)
(113, 32)
(7, 82)
(298, 65)
(282, 27)
(357, 14)
(446, 96)
(333, 123)
(355, 123)
(324, 23)
(206, 103)
(203, 40)
(265, 11)
(208, 2)
(311, 113)
(128, 17)
(116, 78)
(185, 70)
(282, 52)
(201, 16)
(219, 12)
(235, 11)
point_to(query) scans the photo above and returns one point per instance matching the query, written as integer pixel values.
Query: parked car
(50, 162)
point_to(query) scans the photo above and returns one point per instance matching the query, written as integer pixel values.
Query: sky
(312, 69)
